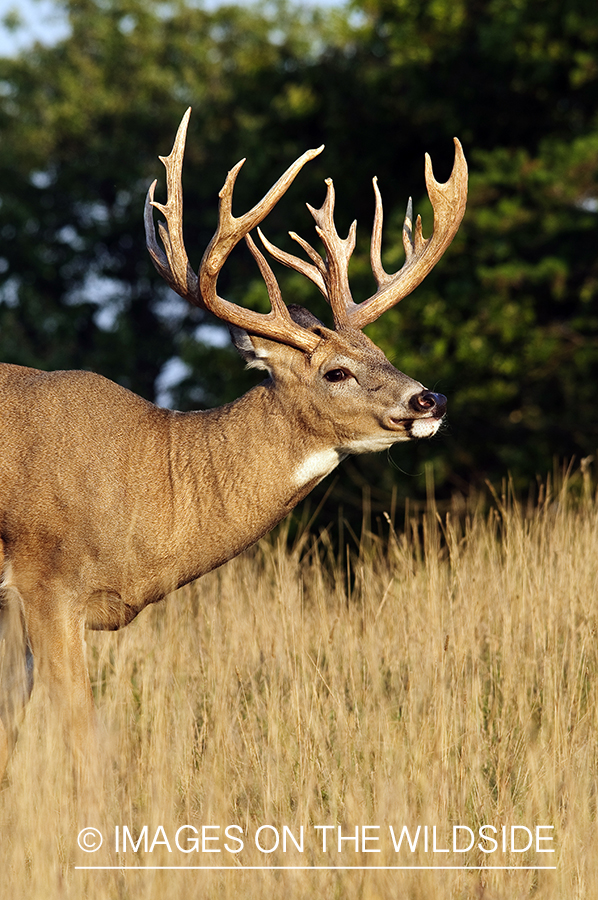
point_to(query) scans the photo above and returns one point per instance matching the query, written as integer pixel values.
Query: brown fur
(108, 503)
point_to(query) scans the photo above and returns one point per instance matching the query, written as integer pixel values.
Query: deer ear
(304, 317)
(252, 348)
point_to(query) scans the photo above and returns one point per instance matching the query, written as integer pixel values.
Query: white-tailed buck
(108, 503)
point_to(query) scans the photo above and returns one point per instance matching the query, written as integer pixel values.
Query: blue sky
(42, 22)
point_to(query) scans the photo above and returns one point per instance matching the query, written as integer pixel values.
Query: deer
(108, 503)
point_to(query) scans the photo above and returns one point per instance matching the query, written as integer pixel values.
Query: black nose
(430, 403)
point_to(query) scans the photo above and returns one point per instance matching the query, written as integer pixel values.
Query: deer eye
(337, 375)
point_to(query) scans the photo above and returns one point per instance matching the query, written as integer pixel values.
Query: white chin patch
(425, 428)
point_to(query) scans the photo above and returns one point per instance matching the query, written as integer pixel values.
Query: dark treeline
(506, 325)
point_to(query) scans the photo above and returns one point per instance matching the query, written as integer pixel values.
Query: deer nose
(427, 402)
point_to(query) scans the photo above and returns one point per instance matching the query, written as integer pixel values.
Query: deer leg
(16, 672)
(56, 636)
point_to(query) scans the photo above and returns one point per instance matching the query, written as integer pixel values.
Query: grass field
(446, 677)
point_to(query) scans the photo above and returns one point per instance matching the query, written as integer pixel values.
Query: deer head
(343, 358)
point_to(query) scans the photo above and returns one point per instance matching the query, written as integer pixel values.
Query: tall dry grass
(447, 676)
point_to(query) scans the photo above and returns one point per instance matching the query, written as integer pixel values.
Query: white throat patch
(318, 465)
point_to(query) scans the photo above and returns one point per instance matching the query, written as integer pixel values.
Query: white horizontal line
(324, 868)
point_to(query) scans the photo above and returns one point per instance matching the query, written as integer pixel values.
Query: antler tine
(331, 277)
(276, 301)
(315, 273)
(173, 265)
(382, 277)
(230, 229)
(338, 254)
(408, 242)
(421, 254)
(277, 324)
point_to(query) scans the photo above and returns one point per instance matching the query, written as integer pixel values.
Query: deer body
(108, 503)
(182, 492)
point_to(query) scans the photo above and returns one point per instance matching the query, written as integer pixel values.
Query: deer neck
(239, 469)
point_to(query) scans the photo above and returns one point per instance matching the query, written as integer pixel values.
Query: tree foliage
(82, 123)
(506, 325)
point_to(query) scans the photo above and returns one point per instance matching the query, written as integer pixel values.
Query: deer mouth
(420, 427)
(396, 422)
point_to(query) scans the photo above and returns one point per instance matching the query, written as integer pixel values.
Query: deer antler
(172, 262)
(421, 254)
(330, 275)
